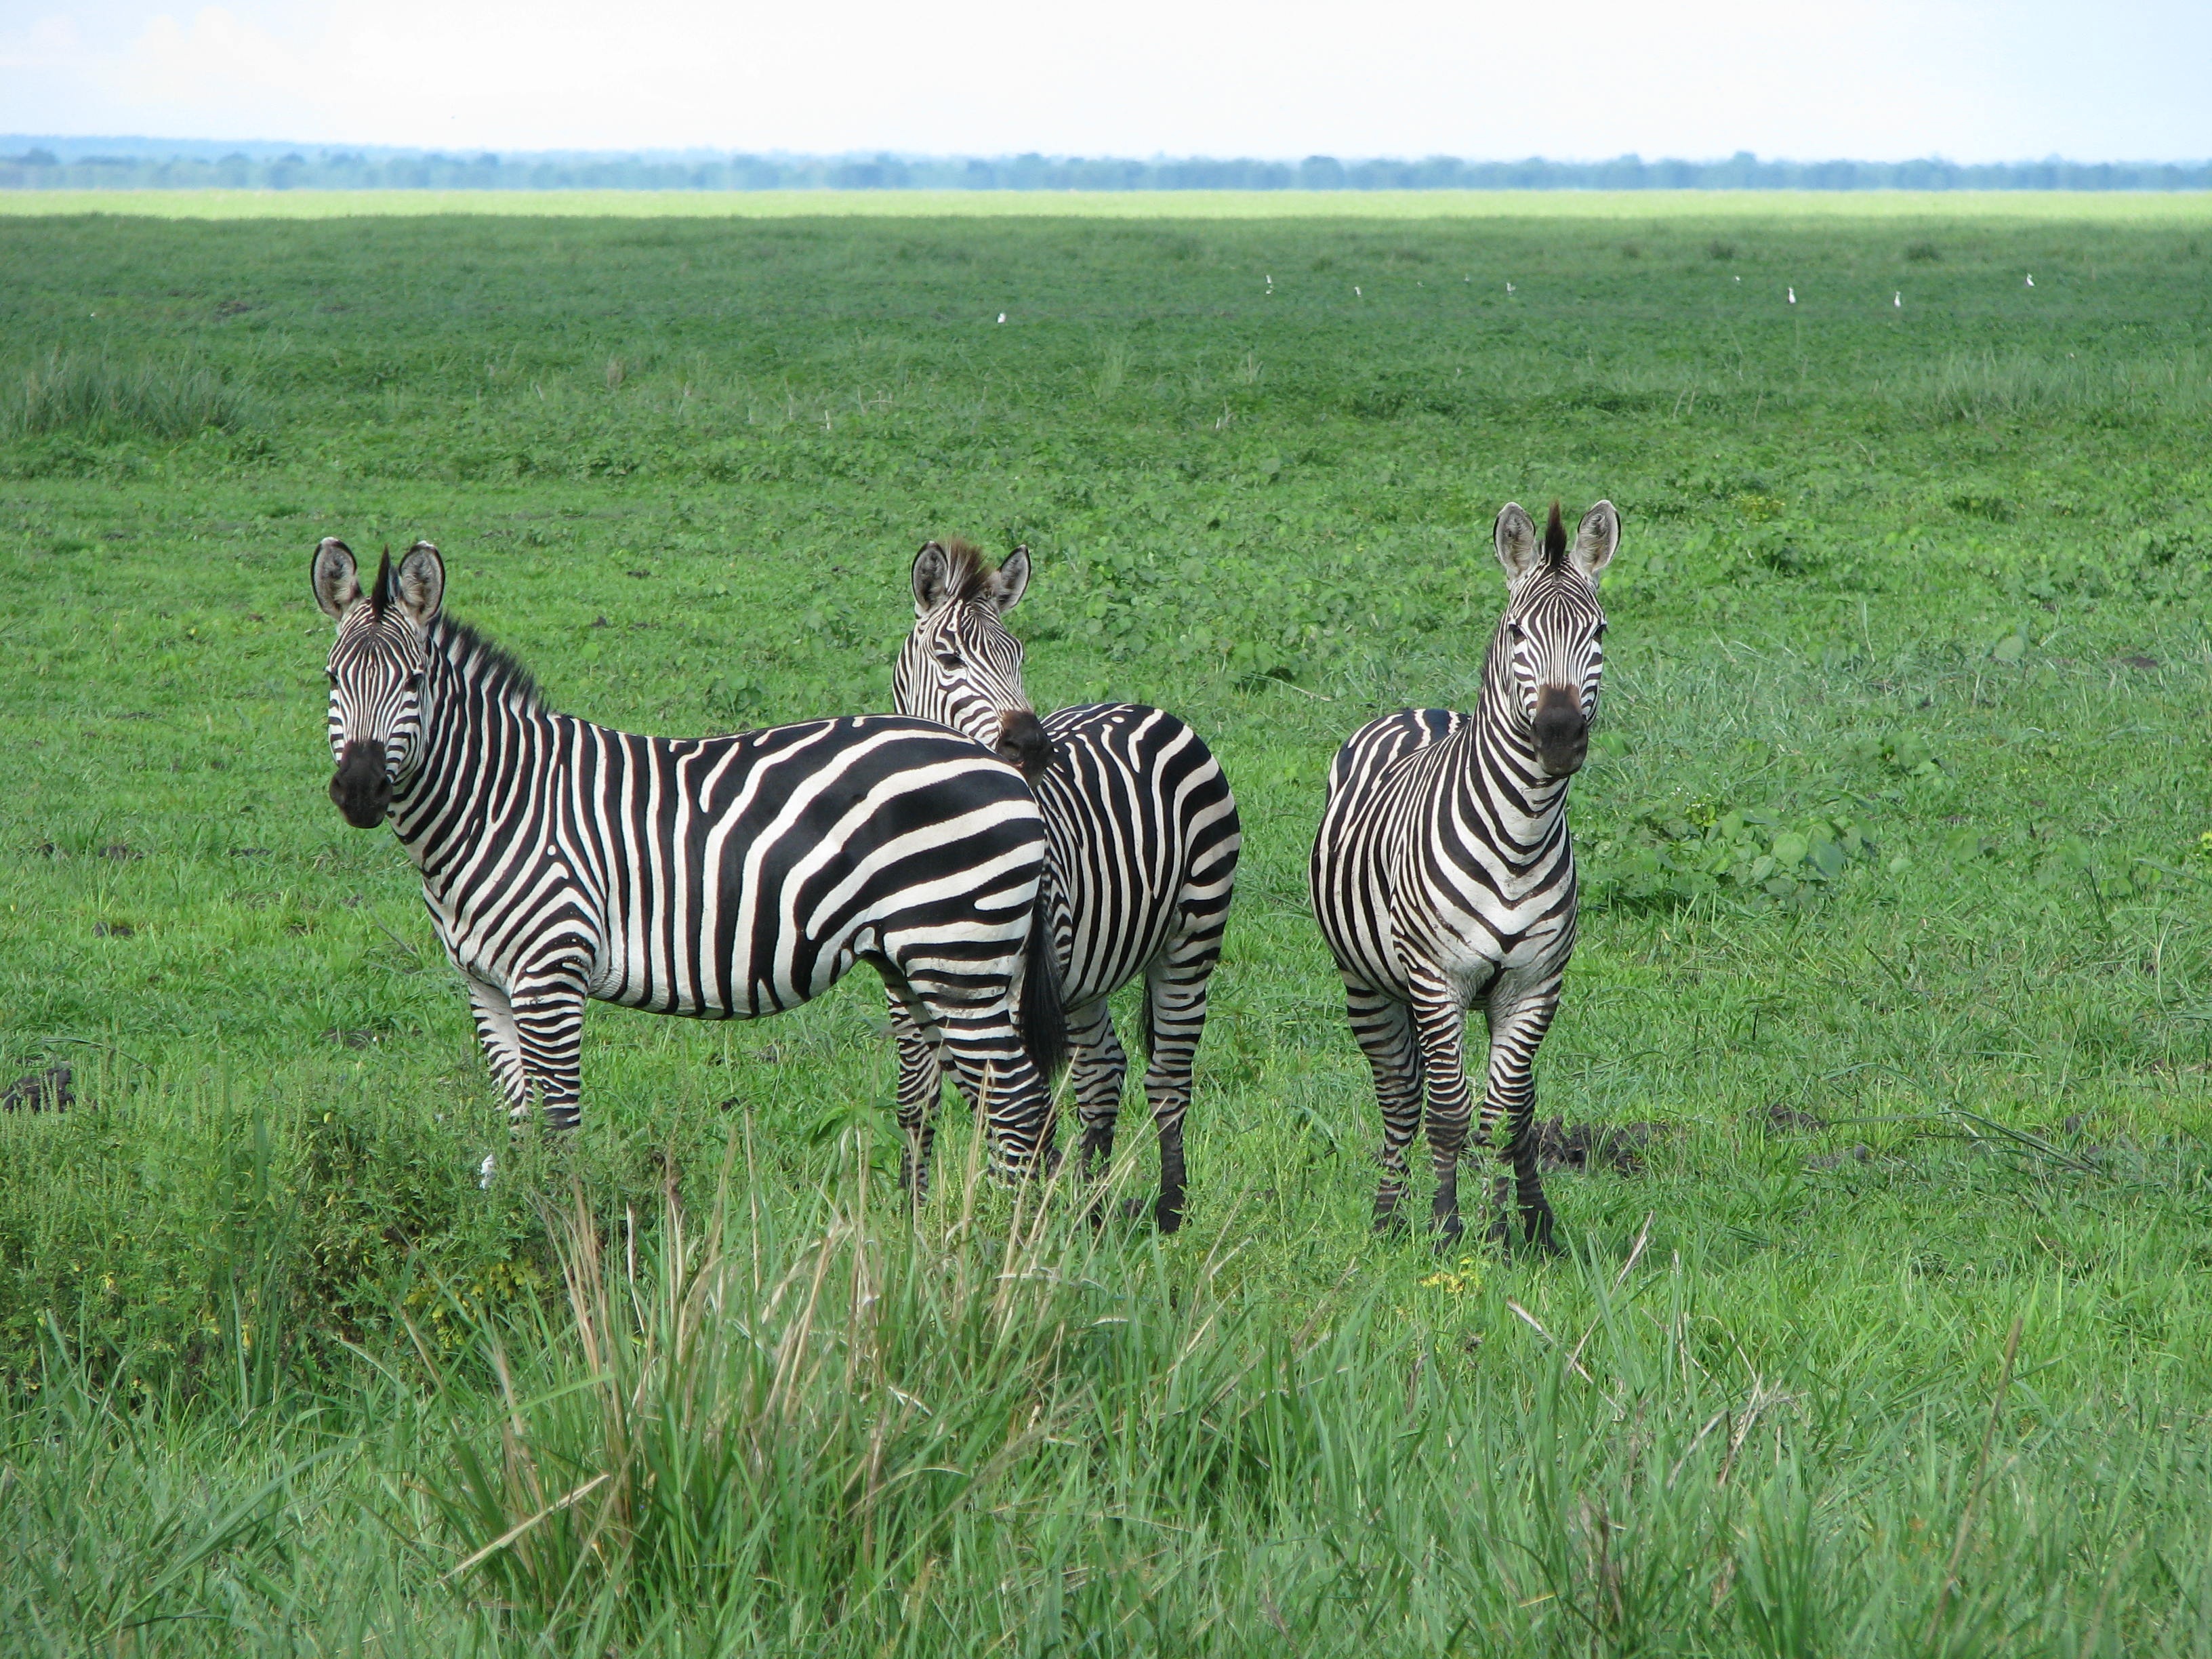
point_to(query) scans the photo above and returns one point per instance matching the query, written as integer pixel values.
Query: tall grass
(1989, 385)
(843, 1433)
(105, 398)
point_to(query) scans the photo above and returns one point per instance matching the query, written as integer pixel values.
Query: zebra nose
(1022, 740)
(1562, 734)
(360, 786)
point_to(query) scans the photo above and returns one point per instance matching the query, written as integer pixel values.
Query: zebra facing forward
(722, 878)
(1444, 876)
(1144, 839)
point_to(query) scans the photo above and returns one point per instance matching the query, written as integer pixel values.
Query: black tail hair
(1555, 539)
(1044, 1021)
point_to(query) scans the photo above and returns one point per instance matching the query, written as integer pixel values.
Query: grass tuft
(97, 396)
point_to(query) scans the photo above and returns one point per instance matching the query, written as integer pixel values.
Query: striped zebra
(1144, 839)
(722, 878)
(1443, 877)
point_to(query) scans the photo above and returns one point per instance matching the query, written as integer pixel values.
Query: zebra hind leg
(1097, 1068)
(982, 1049)
(920, 1087)
(1384, 1028)
(1174, 1013)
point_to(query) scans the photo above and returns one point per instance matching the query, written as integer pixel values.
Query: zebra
(1443, 877)
(723, 877)
(1144, 838)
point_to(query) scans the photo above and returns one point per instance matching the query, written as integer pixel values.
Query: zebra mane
(379, 596)
(488, 664)
(1555, 541)
(967, 573)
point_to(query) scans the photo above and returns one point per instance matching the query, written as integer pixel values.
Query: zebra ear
(1596, 540)
(933, 577)
(1517, 546)
(331, 574)
(419, 584)
(1011, 581)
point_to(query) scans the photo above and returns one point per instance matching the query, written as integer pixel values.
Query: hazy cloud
(1573, 79)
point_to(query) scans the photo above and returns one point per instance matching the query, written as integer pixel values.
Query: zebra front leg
(1384, 1028)
(1175, 1011)
(548, 1022)
(921, 1086)
(1517, 1028)
(500, 1041)
(1440, 1024)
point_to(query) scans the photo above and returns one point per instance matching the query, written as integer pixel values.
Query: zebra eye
(415, 681)
(332, 675)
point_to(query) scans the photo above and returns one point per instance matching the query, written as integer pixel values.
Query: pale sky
(1970, 80)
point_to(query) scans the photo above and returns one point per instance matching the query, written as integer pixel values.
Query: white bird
(1793, 296)
(1355, 291)
(1508, 287)
(2031, 281)
(1898, 299)
(1002, 316)
(484, 1171)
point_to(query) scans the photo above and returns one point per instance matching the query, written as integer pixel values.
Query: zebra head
(376, 670)
(960, 666)
(1551, 643)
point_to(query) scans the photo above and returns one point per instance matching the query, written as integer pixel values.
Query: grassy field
(1895, 1338)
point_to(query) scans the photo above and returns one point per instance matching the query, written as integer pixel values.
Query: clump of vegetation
(103, 398)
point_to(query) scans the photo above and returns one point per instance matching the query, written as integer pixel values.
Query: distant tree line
(262, 168)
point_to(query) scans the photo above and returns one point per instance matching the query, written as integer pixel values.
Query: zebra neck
(1506, 790)
(477, 747)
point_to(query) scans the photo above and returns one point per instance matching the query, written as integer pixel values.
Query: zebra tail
(1044, 1020)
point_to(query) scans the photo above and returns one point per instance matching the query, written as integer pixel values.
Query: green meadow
(1884, 1325)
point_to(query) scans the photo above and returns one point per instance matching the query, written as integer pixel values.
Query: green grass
(1895, 822)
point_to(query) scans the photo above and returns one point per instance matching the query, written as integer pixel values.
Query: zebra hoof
(1167, 1214)
(1390, 1223)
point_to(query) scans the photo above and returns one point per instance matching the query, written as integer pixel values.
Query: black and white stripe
(1144, 838)
(1444, 878)
(722, 878)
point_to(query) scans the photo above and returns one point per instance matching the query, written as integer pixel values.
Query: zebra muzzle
(1561, 733)
(1023, 740)
(360, 786)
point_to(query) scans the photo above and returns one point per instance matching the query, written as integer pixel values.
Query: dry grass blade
(519, 1528)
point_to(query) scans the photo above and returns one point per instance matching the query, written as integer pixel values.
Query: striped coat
(718, 878)
(1443, 877)
(1144, 837)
